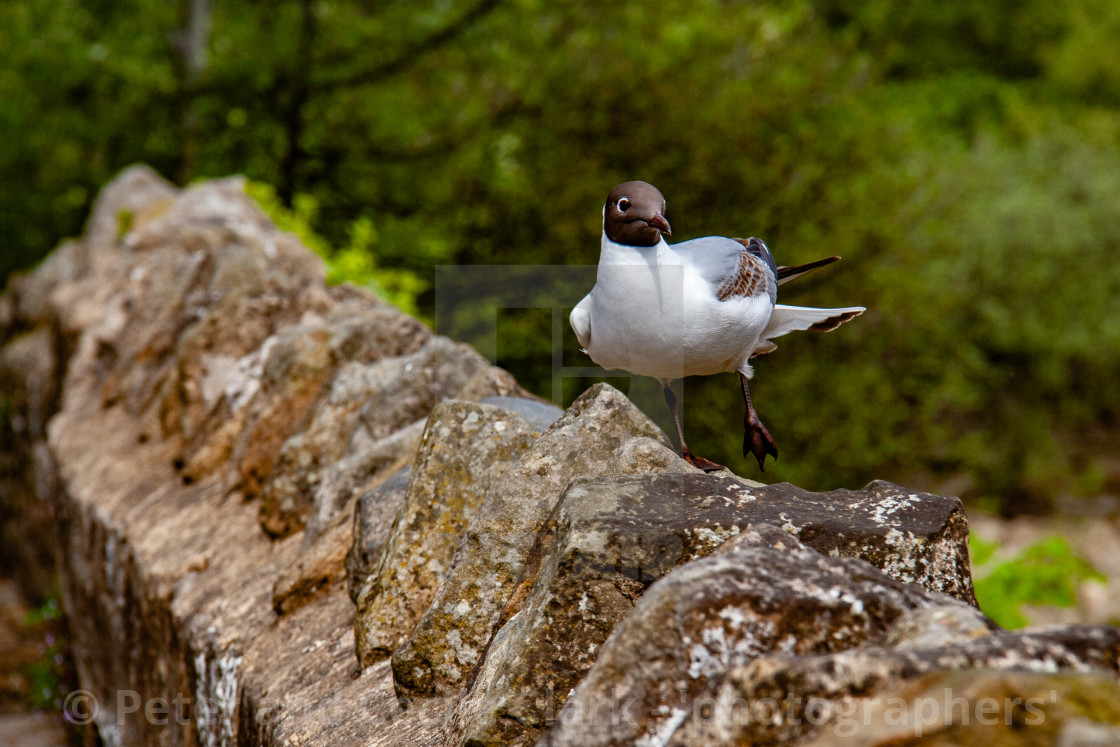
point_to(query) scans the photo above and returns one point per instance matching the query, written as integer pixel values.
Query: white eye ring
(623, 204)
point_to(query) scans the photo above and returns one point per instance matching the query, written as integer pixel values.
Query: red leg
(705, 464)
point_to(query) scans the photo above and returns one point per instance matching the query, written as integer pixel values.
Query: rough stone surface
(540, 415)
(450, 637)
(360, 429)
(713, 649)
(126, 203)
(644, 455)
(175, 348)
(351, 334)
(604, 545)
(917, 538)
(365, 464)
(212, 281)
(464, 449)
(913, 537)
(373, 518)
(319, 565)
(937, 626)
(977, 708)
(248, 390)
(768, 593)
(848, 681)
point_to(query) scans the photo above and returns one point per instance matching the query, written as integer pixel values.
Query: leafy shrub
(1046, 573)
(355, 262)
(49, 676)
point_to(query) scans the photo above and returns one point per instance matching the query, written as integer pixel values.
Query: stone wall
(286, 513)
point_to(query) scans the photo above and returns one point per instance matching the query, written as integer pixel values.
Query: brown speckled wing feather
(751, 278)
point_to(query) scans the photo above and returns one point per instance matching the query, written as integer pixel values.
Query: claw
(757, 440)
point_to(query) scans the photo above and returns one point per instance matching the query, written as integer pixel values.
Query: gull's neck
(612, 253)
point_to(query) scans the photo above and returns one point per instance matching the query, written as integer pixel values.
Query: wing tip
(787, 273)
(827, 325)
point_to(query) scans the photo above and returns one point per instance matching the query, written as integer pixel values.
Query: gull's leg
(756, 439)
(705, 464)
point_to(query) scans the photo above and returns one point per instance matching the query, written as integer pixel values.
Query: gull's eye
(623, 205)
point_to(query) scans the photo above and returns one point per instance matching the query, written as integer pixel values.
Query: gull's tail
(786, 319)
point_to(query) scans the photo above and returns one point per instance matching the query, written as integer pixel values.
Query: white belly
(664, 321)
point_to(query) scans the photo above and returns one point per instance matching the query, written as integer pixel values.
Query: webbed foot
(698, 461)
(757, 440)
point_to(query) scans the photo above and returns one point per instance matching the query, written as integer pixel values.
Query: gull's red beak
(658, 221)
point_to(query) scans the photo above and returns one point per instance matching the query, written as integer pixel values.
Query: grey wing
(736, 268)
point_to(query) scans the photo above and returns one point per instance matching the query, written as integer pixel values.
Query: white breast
(650, 314)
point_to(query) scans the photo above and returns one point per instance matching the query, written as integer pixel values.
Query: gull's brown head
(635, 215)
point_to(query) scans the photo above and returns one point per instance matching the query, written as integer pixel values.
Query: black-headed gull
(696, 308)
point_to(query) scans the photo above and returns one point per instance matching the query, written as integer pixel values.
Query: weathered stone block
(374, 512)
(358, 429)
(449, 638)
(1067, 673)
(319, 566)
(614, 538)
(465, 448)
(765, 593)
(538, 414)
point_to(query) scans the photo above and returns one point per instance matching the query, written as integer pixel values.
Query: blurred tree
(191, 43)
(87, 87)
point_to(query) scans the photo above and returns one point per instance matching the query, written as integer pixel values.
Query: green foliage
(980, 550)
(1045, 573)
(85, 87)
(352, 263)
(124, 222)
(963, 157)
(48, 675)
